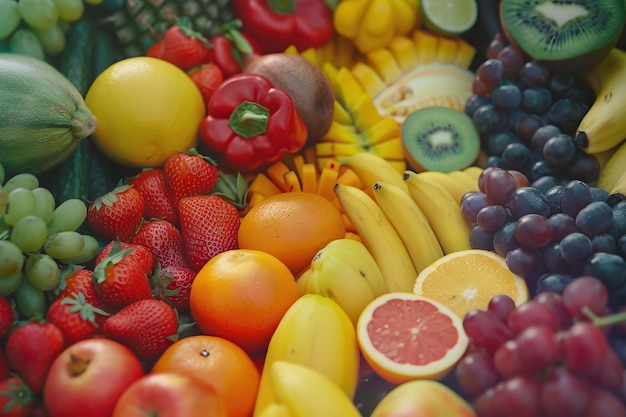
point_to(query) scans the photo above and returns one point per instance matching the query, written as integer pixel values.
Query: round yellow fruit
(146, 109)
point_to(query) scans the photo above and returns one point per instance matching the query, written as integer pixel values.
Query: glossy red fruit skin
(117, 214)
(188, 174)
(7, 316)
(164, 241)
(158, 202)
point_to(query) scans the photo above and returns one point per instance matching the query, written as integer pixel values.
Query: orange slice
(468, 279)
(404, 337)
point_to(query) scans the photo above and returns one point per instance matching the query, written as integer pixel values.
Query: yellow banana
(604, 125)
(613, 168)
(379, 237)
(315, 332)
(467, 180)
(372, 168)
(345, 271)
(455, 186)
(442, 211)
(300, 391)
(411, 224)
(474, 172)
(619, 186)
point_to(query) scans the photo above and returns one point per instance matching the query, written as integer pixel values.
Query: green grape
(52, 40)
(62, 245)
(44, 202)
(39, 14)
(25, 42)
(10, 284)
(9, 18)
(11, 259)
(4, 200)
(2, 173)
(89, 252)
(30, 301)
(29, 233)
(22, 180)
(42, 271)
(67, 216)
(70, 10)
(21, 204)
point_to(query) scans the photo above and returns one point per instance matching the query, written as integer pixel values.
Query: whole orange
(291, 226)
(241, 295)
(220, 363)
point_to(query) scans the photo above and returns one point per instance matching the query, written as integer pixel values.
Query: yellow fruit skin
(612, 163)
(422, 398)
(316, 333)
(345, 271)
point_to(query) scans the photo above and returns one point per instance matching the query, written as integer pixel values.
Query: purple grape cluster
(527, 117)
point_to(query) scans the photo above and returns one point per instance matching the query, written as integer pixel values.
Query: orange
(242, 295)
(468, 279)
(404, 337)
(220, 363)
(291, 226)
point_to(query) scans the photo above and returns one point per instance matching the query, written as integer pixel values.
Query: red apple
(169, 394)
(88, 378)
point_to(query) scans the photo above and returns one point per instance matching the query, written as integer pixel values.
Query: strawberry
(173, 285)
(207, 78)
(121, 277)
(16, 398)
(75, 317)
(7, 316)
(158, 203)
(117, 214)
(209, 225)
(4, 367)
(77, 280)
(189, 173)
(139, 254)
(31, 348)
(164, 241)
(157, 50)
(183, 47)
(147, 327)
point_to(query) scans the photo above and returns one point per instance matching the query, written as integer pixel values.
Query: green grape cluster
(38, 27)
(38, 240)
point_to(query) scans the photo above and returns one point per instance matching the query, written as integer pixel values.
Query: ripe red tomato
(88, 378)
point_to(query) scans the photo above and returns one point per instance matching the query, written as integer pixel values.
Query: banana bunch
(345, 271)
(457, 183)
(613, 168)
(604, 125)
(314, 333)
(300, 391)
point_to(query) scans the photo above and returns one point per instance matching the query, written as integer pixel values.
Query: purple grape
(560, 84)
(525, 262)
(559, 149)
(598, 194)
(595, 218)
(506, 96)
(491, 71)
(515, 156)
(533, 231)
(471, 203)
(553, 282)
(562, 225)
(553, 195)
(533, 74)
(576, 248)
(544, 183)
(527, 126)
(480, 238)
(566, 114)
(499, 140)
(608, 268)
(491, 218)
(528, 200)
(474, 102)
(512, 58)
(576, 196)
(553, 261)
(504, 239)
(618, 226)
(603, 242)
(488, 119)
(499, 185)
(542, 135)
(536, 100)
(584, 167)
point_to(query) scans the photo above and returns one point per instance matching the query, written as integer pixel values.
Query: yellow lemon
(146, 110)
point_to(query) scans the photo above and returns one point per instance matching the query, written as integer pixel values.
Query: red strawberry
(207, 78)
(31, 348)
(157, 50)
(139, 254)
(163, 239)
(209, 225)
(77, 280)
(7, 316)
(117, 214)
(183, 47)
(173, 285)
(147, 327)
(158, 203)
(16, 398)
(188, 174)
(121, 277)
(75, 317)
(4, 366)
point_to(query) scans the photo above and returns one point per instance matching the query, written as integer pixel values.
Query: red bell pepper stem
(283, 6)
(230, 31)
(249, 119)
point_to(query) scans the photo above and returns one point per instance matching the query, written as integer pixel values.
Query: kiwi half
(566, 35)
(439, 139)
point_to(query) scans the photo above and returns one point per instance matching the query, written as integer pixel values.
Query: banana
(442, 211)
(372, 168)
(620, 185)
(457, 187)
(468, 181)
(345, 271)
(613, 167)
(300, 391)
(604, 125)
(411, 224)
(379, 237)
(474, 172)
(314, 332)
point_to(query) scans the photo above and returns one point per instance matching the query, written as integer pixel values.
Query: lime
(449, 17)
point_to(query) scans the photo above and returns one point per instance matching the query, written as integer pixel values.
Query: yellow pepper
(372, 24)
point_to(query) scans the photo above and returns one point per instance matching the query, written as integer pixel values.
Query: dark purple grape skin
(560, 84)
(471, 203)
(498, 141)
(618, 226)
(481, 239)
(594, 218)
(598, 194)
(544, 183)
(533, 74)
(515, 156)
(553, 195)
(566, 114)
(525, 262)
(576, 196)
(542, 135)
(492, 217)
(536, 100)
(527, 125)
(474, 102)
(534, 231)
(562, 225)
(584, 167)
(506, 97)
(504, 239)
(555, 283)
(488, 119)
(576, 248)
(603, 242)
(512, 58)
(620, 246)
(528, 200)
(559, 149)
(490, 71)
(544, 168)
(608, 268)
(553, 261)
(499, 185)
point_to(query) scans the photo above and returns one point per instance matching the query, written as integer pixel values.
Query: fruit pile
(251, 209)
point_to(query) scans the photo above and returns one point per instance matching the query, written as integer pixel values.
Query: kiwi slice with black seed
(566, 35)
(439, 139)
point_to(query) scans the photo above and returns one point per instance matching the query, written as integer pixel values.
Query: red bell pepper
(278, 24)
(251, 123)
(229, 48)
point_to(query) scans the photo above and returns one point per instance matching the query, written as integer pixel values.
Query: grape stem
(604, 321)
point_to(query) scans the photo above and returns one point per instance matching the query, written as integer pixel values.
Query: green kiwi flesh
(439, 139)
(567, 35)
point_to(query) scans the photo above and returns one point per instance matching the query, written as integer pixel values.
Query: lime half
(449, 17)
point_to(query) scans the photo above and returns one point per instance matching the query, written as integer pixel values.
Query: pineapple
(142, 22)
